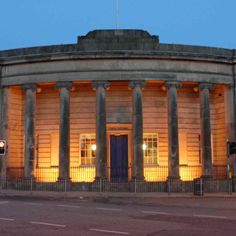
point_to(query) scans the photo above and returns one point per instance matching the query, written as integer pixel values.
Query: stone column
(205, 136)
(30, 101)
(101, 133)
(230, 123)
(3, 129)
(137, 118)
(173, 132)
(64, 132)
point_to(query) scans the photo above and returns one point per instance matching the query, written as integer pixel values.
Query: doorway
(119, 158)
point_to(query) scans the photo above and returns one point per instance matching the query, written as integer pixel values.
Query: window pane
(151, 152)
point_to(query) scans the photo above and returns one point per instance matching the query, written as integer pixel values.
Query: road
(178, 217)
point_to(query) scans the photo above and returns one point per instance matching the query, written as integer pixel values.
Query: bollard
(135, 185)
(198, 187)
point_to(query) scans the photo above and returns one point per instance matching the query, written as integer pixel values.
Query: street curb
(107, 197)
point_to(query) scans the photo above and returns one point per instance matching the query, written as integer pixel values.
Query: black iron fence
(83, 179)
(198, 187)
(87, 174)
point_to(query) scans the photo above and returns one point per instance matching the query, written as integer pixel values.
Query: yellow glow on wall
(160, 173)
(82, 174)
(54, 149)
(188, 173)
(154, 174)
(87, 174)
(46, 174)
(77, 174)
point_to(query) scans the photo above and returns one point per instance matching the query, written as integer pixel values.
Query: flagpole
(117, 14)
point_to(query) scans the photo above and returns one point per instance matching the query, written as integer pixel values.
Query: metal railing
(83, 179)
(87, 173)
(134, 186)
(219, 171)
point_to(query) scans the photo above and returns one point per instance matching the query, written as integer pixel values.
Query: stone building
(117, 105)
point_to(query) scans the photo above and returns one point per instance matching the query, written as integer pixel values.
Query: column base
(138, 184)
(32, 178)
(206, 177)
(173, 178)
(100, 184)
(98, 179)
(173, 184)
(138, 179)
(63, 184)
(64, 179)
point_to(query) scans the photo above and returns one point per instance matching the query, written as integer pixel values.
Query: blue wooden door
(119, 158)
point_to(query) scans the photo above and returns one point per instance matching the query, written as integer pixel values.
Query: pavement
(95, 214)
(40, 213)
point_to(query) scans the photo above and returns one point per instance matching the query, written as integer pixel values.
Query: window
(87, 149)
(150, 149)
(54, 149)
(183, 158)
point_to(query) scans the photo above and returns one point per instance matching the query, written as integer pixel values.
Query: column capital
(175, 84)
(205, 86)
(100, 83)
(67, 85)
(30, 86)
(137, 83)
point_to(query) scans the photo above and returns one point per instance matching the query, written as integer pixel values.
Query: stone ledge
(115, 42)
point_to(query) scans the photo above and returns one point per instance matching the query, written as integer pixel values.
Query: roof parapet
(113, 40)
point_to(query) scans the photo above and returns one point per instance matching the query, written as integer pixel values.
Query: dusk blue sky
(27, 23)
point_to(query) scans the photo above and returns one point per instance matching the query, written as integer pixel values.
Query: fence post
(230, 183)
(168, 186)
(100, 185)
(31, 185)
(65, 185)
(201, 187)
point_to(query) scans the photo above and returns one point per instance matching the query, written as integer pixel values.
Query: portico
(132, 115)
(133, 129)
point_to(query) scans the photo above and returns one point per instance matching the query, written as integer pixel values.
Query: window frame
(157, 157)
(86, 164)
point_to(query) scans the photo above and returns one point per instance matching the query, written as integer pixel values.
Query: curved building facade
(117, 105)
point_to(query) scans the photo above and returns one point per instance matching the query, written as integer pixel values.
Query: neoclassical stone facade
(117, 105)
